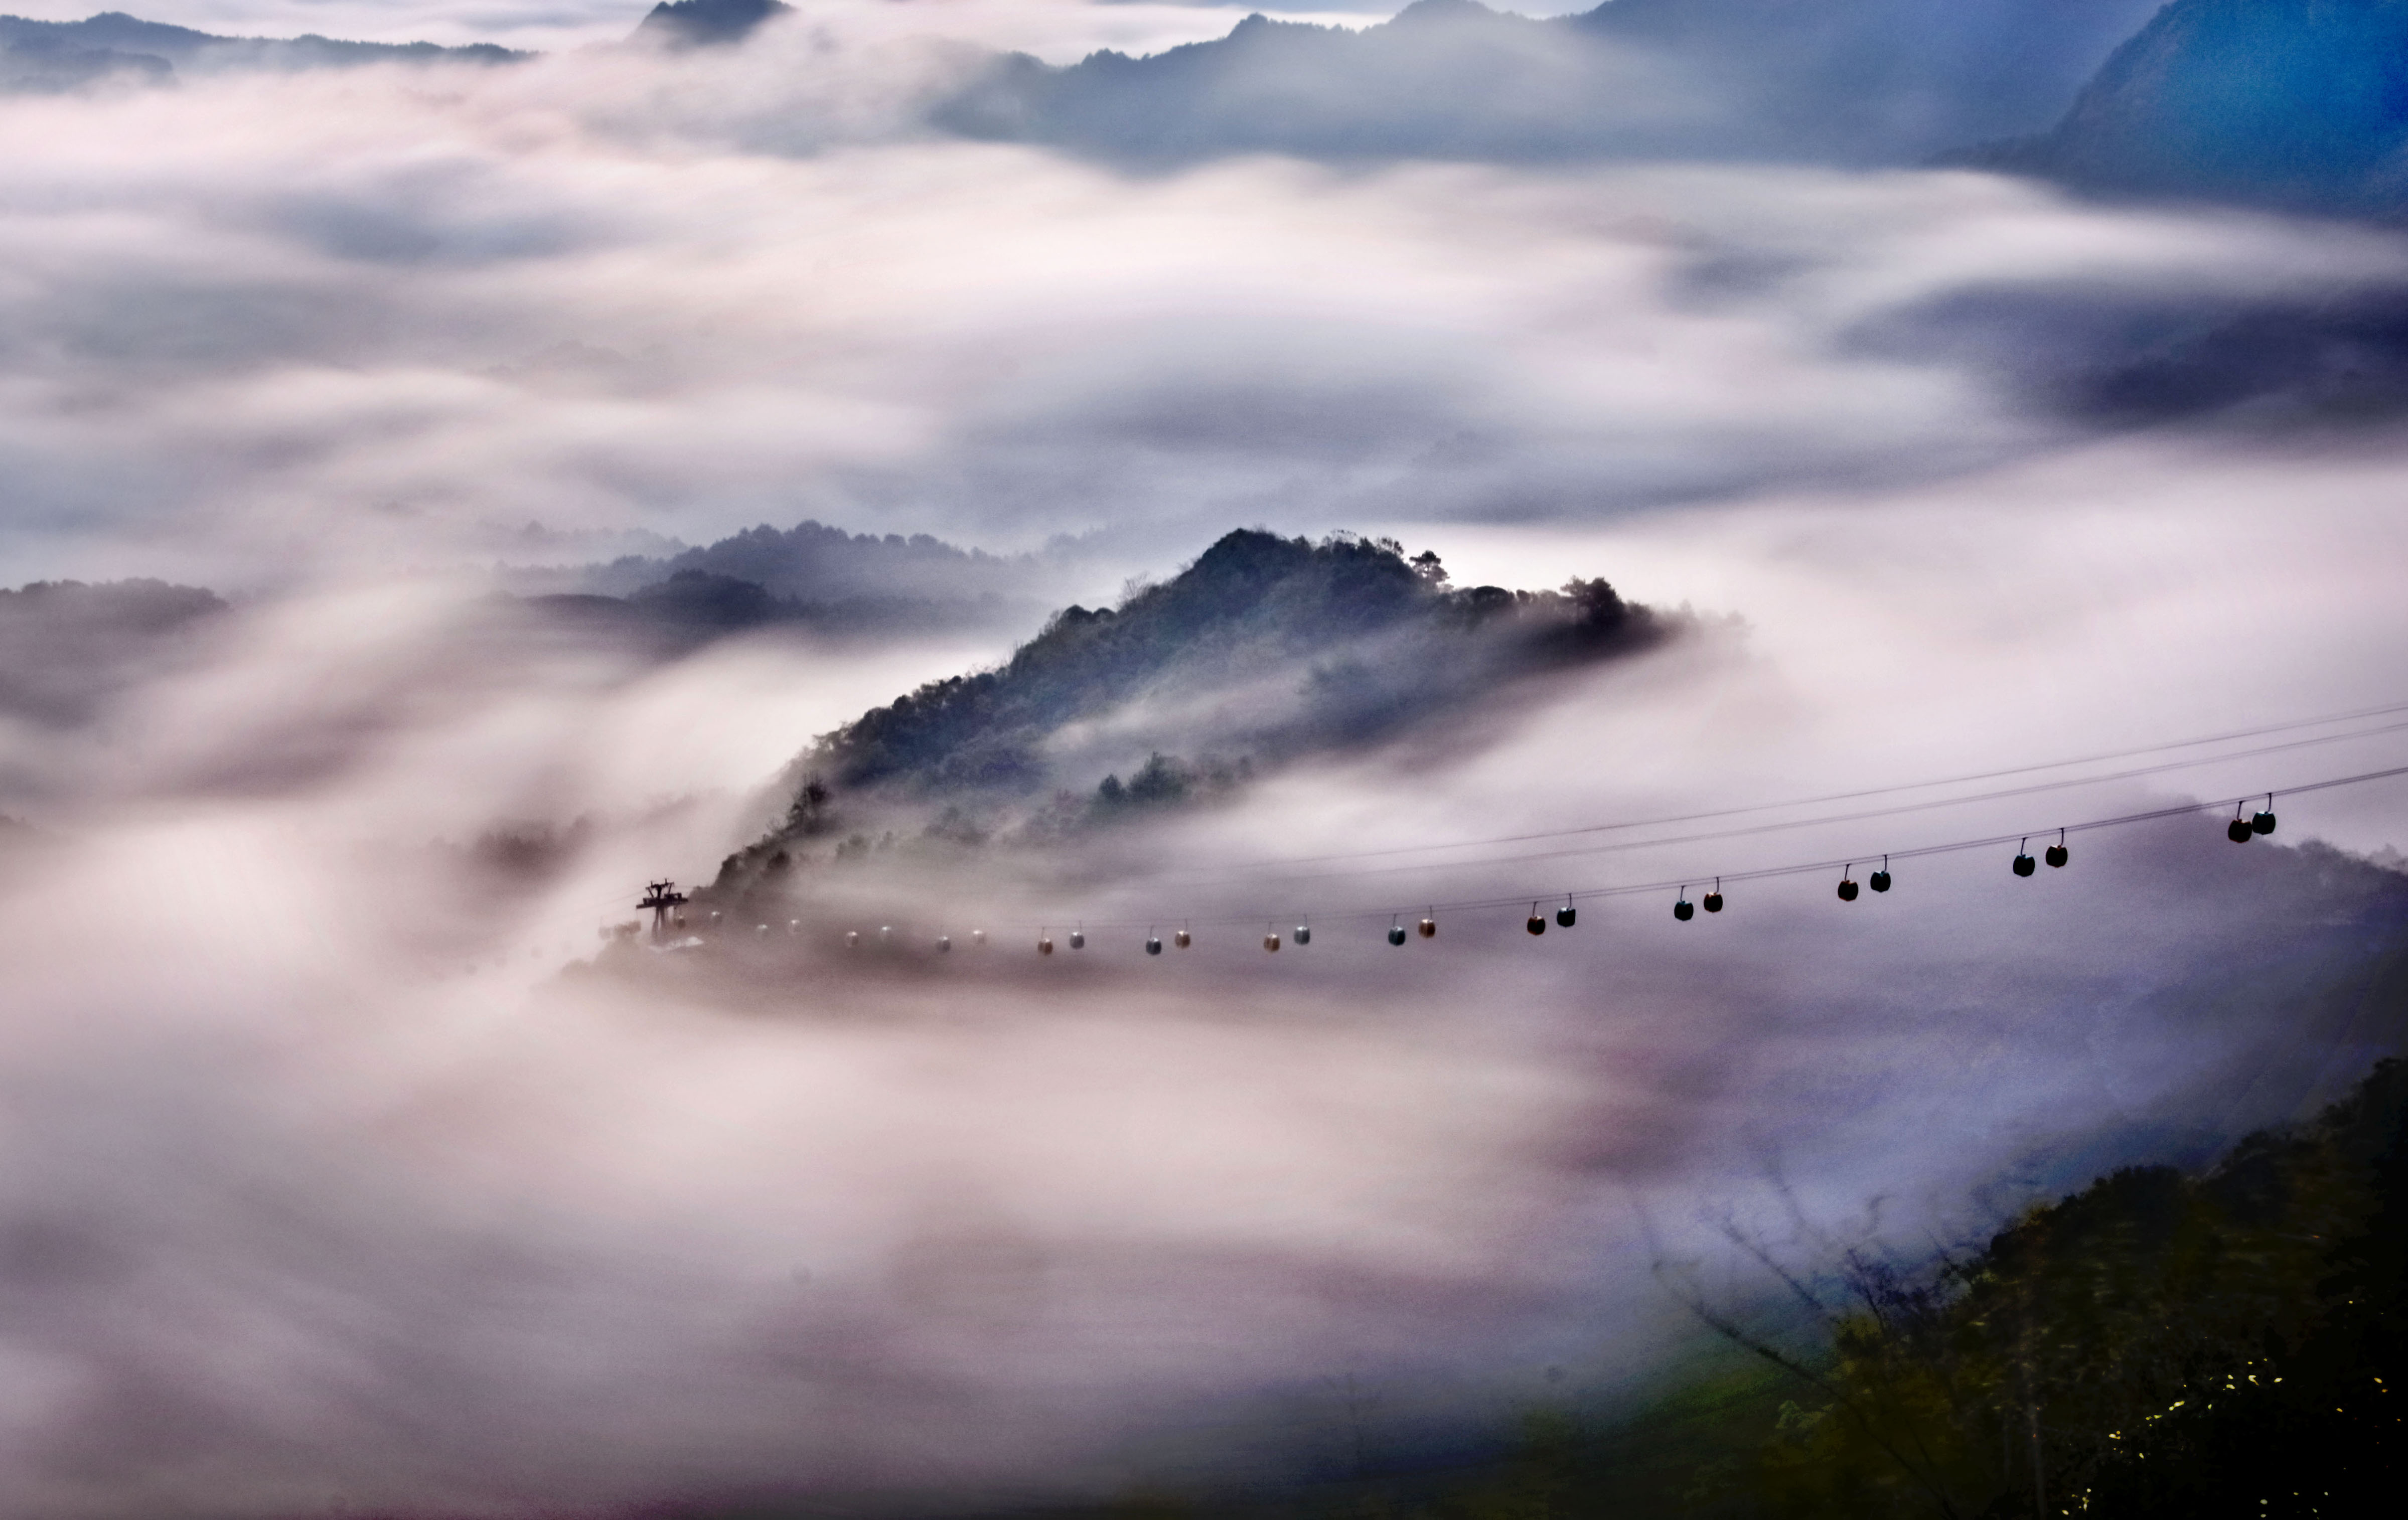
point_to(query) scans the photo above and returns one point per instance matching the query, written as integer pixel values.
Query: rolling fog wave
(336, 1173)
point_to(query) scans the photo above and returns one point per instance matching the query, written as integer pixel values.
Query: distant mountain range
(1834, 80)
(38, 55)
(2296, 103)
(811, 578)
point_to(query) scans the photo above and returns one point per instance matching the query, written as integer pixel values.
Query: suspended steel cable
(2388, 710)
(1801, 868)
(1862, 815)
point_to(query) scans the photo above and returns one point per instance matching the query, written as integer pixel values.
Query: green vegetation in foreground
(2162, 1343)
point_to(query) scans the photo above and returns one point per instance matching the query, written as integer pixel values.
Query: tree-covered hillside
(1360, 637)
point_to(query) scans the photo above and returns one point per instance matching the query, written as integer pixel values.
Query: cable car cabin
(1152, 945)
(2024, 864)
(2057, 855)
(1182, 939)
(851, 939)
(1536, 925)
(1565, 917)
(1077, 938)
(2261, 823)
(1271, 941)
(1847, 890)
(977, 939)
(1044, 944)
(1711, 903)
(1878, 880)
(1429, 928)
(1304, 933)
(1684, 911)
(1396, 934)
(2239, 831)
(944, 944)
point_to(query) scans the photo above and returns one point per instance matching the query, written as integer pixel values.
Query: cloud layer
(326, 1182)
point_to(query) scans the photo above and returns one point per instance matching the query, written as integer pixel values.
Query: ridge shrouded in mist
(987, 1139)
(1264, 650)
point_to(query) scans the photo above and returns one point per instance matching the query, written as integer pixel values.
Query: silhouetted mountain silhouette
(2296, 104)
(1853, 80)
(1267, 646)
(697, 23)
(36, 54)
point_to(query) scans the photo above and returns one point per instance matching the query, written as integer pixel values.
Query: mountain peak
(706, 23)
(1440, 13)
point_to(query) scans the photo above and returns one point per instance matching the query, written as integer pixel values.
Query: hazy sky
(322, 1183)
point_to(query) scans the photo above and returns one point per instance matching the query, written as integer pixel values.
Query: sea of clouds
(325, 1186)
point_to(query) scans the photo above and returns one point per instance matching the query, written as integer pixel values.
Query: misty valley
(1117, 760)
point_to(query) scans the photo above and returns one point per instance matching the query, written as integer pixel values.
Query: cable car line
(1429, 925)
(2389, 711)
(1785, 825)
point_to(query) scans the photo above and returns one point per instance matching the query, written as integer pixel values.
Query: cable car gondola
(1712, 901)
(1682, 908)
(1044, 943)
(1565, 917)
(2263, 820)
(1429, 924)
(1079, 938)
(2057, 855)
(944, 944)
(2025, 865)
(1182, 939)
(1153, 943)
(1304, 933)
(1536, 925)
(1270, 939)
(1396, 928)
(1879, 881)
(1847, 888)
(2240, 831)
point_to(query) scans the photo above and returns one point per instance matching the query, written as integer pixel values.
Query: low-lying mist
(352, 1160)
(348, 1162)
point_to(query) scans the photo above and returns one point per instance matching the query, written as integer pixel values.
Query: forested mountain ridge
(1264, 650)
